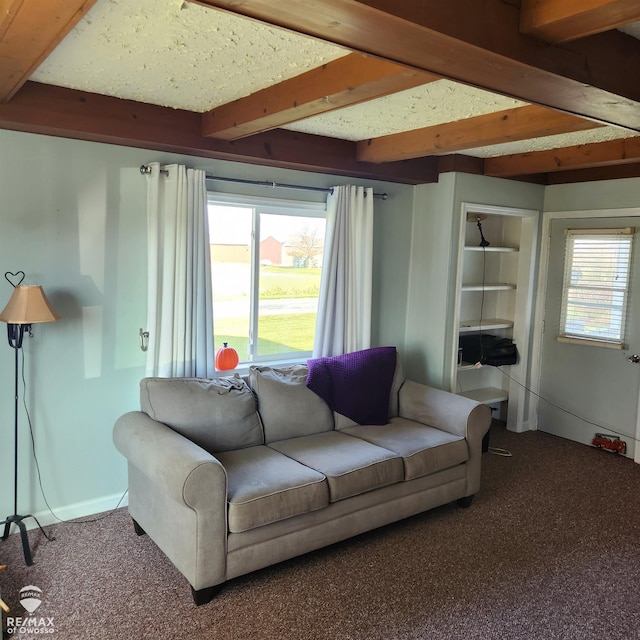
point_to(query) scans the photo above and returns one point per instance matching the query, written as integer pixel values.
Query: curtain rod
(145, 170)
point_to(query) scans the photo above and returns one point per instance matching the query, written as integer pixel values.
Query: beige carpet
(549, 549)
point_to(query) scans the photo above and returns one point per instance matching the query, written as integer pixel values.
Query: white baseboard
(525, 426)
(77, 510)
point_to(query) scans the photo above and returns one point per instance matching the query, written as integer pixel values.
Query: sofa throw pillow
(357, 384)
(288, 409)
(218, 414)
(342, 422)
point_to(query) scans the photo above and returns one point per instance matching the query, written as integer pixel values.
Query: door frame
(541, 296)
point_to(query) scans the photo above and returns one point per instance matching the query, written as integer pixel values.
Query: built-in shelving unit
(494, 295)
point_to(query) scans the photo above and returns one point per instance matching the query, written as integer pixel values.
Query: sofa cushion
(287, 407)
(218, 414)
(265, 486)
(424, 449)
(351, 465)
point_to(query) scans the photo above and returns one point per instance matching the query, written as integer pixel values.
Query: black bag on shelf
(488, 349)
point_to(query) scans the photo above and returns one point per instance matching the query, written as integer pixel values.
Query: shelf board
(486, 395)
(493, 249)
(494, 286)
(490, 323)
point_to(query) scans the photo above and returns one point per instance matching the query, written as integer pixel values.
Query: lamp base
(18, 521)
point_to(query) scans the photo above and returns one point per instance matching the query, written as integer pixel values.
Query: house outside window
(266, 259)
(596, 286)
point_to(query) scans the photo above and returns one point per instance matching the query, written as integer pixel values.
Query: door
(586, 389)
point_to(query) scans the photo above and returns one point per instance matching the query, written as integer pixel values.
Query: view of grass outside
(298, 328)
(284, 324)
(289, 282)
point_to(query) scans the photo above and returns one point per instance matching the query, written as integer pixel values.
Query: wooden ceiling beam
(29, 31)
(599, 154)
(460, 163)
(477, 43)
(521, 123)
(566, 20)
(50, 110)
(614, 172)
(346, 81)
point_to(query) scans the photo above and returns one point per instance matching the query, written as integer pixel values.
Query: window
(596, 285)
(266, 259)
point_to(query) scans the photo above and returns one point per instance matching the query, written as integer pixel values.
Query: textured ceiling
(181, 55)
(177, 54)
(430, 104)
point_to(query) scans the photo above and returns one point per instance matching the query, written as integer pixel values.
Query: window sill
(591, 342)
(243, 368)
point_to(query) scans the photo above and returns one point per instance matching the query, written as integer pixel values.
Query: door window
(596, 286)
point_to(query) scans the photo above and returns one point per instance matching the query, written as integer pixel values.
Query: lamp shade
(28, 305)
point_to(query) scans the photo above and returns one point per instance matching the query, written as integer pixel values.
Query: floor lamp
(28, 305)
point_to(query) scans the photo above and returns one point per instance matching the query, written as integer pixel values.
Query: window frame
(269, 206)
(624, 234)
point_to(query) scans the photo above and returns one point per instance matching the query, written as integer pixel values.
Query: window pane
(290, 260)
(598, 314)
(600, 262)
(596, 284)
(230, 234)
(265, 285)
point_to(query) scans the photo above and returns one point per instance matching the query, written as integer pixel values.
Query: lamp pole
(27, 305)
(15, 333)
(15, 341)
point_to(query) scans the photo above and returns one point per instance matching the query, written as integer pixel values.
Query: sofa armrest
(444, 410)
(180, 467)
(452, 413)
(178, 495)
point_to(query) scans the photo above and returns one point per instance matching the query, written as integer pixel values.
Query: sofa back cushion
(218, 414)
(288, 409)
(398, 381)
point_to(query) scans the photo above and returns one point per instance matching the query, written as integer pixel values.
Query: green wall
(73, 219)
(431, 243)
(587, 196)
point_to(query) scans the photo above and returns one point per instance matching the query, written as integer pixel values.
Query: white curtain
(344, 309)
(179, 312)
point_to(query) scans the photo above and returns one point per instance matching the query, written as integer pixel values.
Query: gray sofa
(234, 474)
